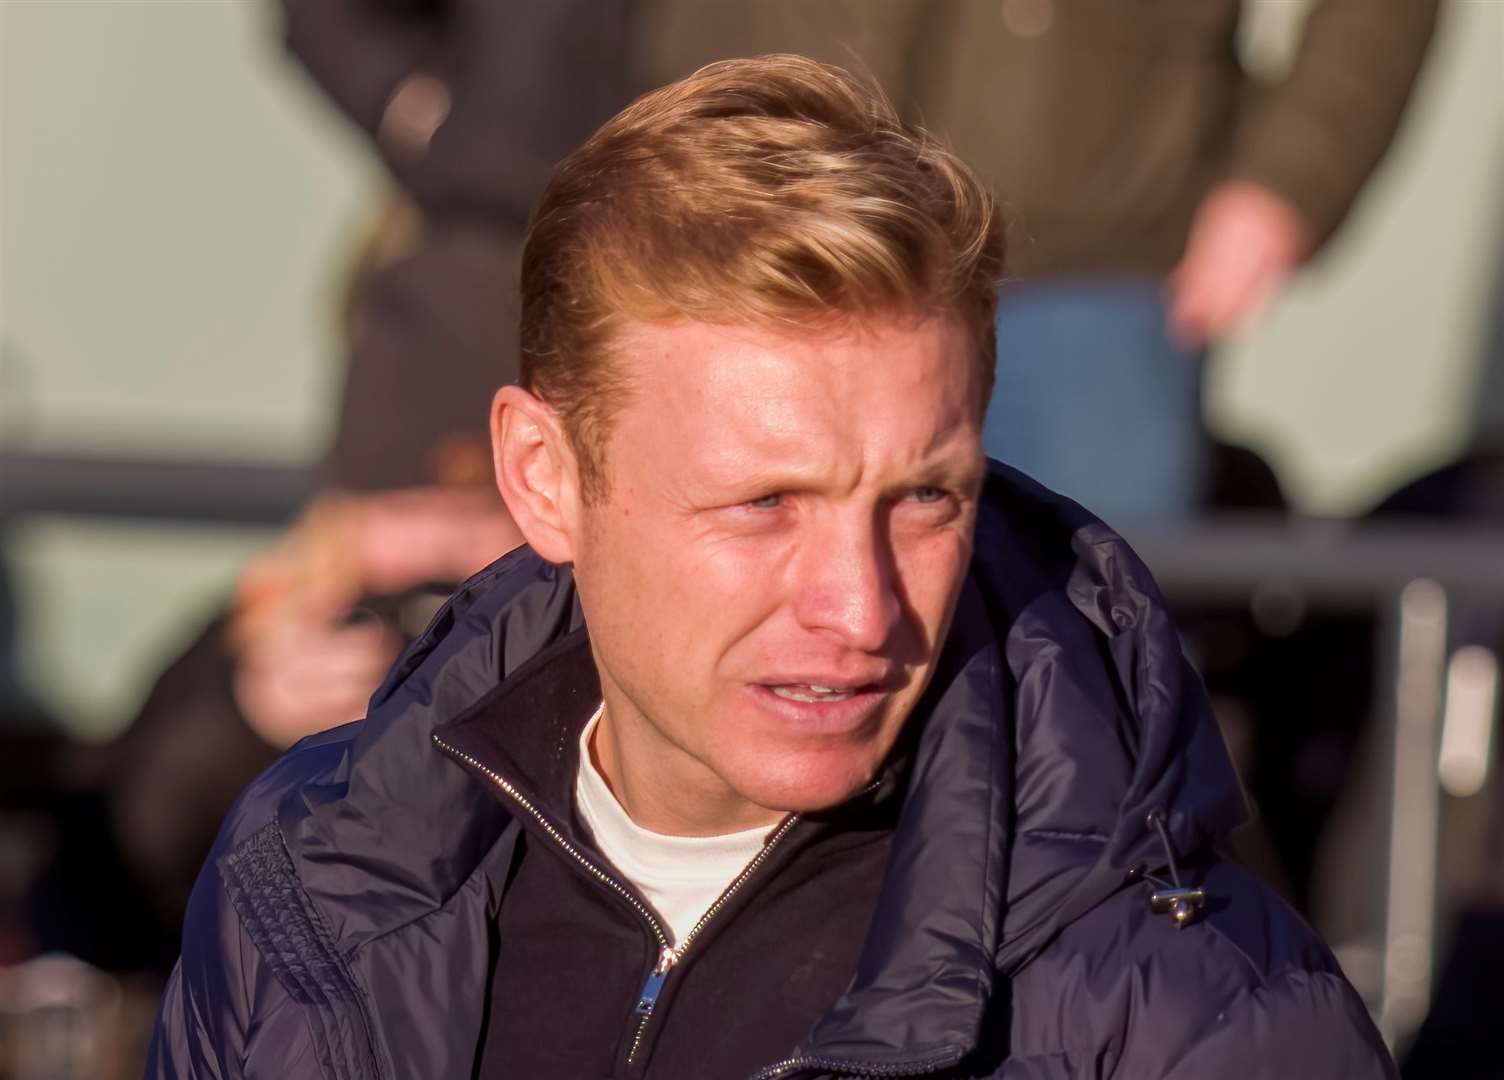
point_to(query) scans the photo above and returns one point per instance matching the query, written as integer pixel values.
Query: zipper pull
(650, 989)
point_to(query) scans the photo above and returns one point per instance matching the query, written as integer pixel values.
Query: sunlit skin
(784, 511)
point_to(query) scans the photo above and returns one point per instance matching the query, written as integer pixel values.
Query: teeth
(811, 693)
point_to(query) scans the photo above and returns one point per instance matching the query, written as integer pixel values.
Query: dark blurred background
(255, 273)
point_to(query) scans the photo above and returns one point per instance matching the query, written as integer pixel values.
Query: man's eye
(927, 494)
(767, 502)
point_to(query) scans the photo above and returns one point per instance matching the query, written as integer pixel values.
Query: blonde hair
(774, 191)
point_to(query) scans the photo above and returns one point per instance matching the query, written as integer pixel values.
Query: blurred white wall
(1361, 376)
(175, 204)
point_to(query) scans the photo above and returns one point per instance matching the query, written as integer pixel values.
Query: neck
(662, 789)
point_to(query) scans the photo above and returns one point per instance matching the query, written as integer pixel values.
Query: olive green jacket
(1100, 123)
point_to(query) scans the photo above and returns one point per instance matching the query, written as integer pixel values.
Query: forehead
(854, 395)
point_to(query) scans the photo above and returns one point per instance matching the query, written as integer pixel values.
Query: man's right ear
(536, 471)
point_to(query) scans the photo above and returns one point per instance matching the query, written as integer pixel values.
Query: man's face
(773, 568)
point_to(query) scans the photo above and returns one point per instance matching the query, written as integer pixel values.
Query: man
(800, 743)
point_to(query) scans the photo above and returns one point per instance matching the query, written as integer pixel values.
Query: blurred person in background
(1163, 197)
(406, 512)
(469, 105)
(103, 843)
(1160, 196)
(468, 102)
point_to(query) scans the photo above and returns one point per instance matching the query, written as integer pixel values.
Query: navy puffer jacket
(340, 928)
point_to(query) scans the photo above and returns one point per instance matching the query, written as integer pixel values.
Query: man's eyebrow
(729, 477)
(733, 479)
(947, 472)
(947, 460)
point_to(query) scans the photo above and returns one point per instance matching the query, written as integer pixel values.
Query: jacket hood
(1061, 713)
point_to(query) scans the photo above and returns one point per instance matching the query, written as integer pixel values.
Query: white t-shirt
(681, 876)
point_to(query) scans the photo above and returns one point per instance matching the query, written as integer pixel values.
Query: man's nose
(848, 586)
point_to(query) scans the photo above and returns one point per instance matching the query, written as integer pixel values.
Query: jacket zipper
(668, 956)
(858, 1068)
(574, 853)
(671, 956)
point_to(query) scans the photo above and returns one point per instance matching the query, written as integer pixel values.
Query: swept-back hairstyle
(775, 191)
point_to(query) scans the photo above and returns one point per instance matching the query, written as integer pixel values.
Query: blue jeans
(1094, 401)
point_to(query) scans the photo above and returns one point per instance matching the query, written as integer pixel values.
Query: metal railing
(101, 486)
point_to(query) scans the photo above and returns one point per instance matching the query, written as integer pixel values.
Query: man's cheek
(930, 573)
(766, 559)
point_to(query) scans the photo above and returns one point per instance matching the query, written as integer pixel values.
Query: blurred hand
(346, 547)
(1244, 243)
(301, 665)
(423, 535)
(301, 676)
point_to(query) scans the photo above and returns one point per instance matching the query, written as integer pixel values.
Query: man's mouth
(816, 705)
(809, 692)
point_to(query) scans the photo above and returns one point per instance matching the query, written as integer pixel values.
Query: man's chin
(809, 789)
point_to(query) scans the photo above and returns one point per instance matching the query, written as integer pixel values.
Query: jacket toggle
(1183, 903)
